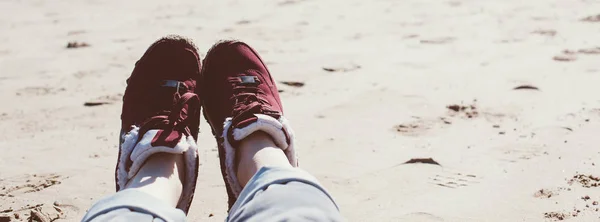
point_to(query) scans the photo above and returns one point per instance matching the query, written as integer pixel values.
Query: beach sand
(503, 96)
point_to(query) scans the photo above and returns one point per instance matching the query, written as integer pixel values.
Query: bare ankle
(161, 176)
(256, 151)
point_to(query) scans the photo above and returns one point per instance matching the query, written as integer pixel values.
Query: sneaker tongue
(168, 138)
(173, 123)
(166, 135)
(245, 122)
(160, 101)
(244, 113)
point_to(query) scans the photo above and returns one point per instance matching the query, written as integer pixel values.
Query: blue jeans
(273, 194)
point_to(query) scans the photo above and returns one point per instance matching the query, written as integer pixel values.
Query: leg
(257, 151)
(277, 191)
(151, 195)
(256, 142)
(157, 163)
(160, 177)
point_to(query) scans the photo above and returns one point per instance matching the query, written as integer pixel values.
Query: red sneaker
(239, 98)
(161, 111)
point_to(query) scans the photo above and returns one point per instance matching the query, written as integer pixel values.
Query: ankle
(256, 151)
(161, 176)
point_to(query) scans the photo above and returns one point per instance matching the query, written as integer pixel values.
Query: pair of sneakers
(164, 96)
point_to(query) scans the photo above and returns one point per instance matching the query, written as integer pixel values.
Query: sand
(503, 97)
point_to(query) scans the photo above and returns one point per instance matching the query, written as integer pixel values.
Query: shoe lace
(247, 98)
(178, 117)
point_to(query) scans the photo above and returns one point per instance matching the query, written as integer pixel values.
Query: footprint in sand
(243, 22)
(571, 55)
(513, 153)
(34, 212)
(468, 111)
(442, 40)
(549, 193)
(33, 183)
(88, 74)
(590, 51)
(556, 216)
(585, 204)
(454, 180)
(591, 18)
(39, 91)
(37, 213)
(421, 126)
(545, 32)
(566, 56)
(414, 128)
(544, 193)
(587, 181)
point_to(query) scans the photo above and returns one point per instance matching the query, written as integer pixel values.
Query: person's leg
(257, 151)
(256, 142)
(274, 190)
(157, 165)
(160, 177)
(151, 195)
